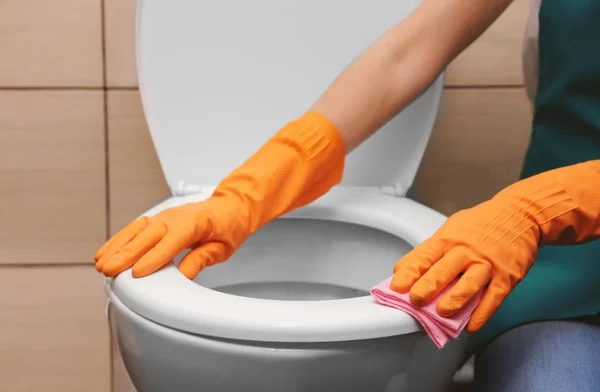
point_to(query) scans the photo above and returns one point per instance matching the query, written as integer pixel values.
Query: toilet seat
(170, 299)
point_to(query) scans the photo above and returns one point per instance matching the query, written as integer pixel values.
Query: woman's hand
(495, 243)
(213, 229)
(297, 165)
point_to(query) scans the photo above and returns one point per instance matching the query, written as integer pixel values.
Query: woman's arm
(305, 158)
(400, 66)
(492, 246)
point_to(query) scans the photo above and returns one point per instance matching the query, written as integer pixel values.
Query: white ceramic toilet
(291, 310)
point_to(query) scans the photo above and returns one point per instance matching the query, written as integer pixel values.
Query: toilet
(291, 310)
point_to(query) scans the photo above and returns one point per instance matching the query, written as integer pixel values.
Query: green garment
(564, 281)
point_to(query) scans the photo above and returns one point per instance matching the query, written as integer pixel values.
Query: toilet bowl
(291, 310)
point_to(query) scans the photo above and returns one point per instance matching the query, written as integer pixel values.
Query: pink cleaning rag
(439, 329)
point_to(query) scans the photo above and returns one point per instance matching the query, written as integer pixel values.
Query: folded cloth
(440, 329)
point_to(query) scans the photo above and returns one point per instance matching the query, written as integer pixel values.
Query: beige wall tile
(136, 179)
(54, 330)
(51, 43)
(120, 36)
(476, 149)
(52, 171)
(495, 57)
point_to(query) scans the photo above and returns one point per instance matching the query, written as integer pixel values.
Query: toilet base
(160, 359)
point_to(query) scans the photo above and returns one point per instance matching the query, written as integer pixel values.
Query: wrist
(316, 135)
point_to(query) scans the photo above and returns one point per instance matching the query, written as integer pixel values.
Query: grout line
(482, 86)
(50, 88)
(122, 88)
(45, 265)
(76, 88)
(111, 378)
(106, 130)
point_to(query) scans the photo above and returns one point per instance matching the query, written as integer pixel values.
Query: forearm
(400, 66)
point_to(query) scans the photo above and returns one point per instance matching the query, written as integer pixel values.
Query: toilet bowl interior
(307, 260)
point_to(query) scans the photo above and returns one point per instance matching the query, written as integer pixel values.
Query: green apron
(564, 281)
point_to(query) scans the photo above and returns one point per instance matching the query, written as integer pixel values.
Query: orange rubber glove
(297, 165)
(496, 242)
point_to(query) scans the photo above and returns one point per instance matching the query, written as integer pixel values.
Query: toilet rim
(170, 299)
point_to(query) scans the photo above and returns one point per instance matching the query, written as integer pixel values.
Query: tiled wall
(77, 163)
(53, 333)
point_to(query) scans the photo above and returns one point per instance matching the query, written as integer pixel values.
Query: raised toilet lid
(217, 79)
